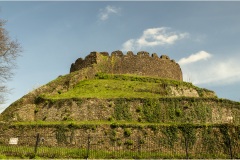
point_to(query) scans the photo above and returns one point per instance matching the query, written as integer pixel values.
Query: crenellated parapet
(140, 64)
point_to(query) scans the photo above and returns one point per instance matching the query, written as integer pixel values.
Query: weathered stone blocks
(141, 64)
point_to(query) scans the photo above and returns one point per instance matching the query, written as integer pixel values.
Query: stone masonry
(141, 64)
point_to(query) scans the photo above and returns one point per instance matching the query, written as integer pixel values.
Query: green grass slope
(126, 86)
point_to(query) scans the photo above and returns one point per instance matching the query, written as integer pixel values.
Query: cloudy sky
(203, 37)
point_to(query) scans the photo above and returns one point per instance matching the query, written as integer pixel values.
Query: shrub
(127, 132)
(129, 142)
(178, 112)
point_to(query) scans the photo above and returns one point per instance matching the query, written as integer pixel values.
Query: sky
(203, 37)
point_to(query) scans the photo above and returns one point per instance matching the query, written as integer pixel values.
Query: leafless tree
(9, 51)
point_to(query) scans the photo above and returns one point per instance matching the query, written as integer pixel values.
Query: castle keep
(105, 110)
(141, 64)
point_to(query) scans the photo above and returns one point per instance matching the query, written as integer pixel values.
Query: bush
(129, 142)
(127, 132)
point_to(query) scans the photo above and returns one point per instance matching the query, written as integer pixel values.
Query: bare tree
(9, 51)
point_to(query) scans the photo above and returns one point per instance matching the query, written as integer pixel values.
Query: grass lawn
(98, 88)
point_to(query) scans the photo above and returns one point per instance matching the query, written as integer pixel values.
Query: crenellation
(130, 53)
(79, 60)
(117, 53)
(143, 53)
(154, 55)
(104, 53)
(141, 64)
(164, 57)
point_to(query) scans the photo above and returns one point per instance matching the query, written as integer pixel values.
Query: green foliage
(170, 133)
(231, 138)
(200, 92)
(114, 125)
(189, 133)
(39, 99)
(153, 127)
(128, 142)
(141, 141)
(36, 110)
(139, 109)
(60, 134)
(113, 135)
(210, 140)
(178, 112)
(101, 75)
(110, 118)
(139, 119)
(127, 132)
(122, 110)
(225, 129)
(3, 157)
(152, 110)
(202, 112)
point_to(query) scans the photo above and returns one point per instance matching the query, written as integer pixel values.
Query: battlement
(140, 64)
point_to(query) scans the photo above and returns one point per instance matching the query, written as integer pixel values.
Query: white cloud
(129, 45)
(154, 37)
(107, 11)
(224, 72)
(202, 55)
(215, 71)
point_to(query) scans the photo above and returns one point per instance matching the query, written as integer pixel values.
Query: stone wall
(141, 64)
(163, 110)
(170, 140)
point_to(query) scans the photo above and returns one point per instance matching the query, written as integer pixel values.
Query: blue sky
(202, 36)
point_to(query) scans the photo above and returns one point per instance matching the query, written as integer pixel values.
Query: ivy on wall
(122, 110)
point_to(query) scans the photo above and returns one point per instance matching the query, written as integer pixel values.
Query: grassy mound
(124, 86)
